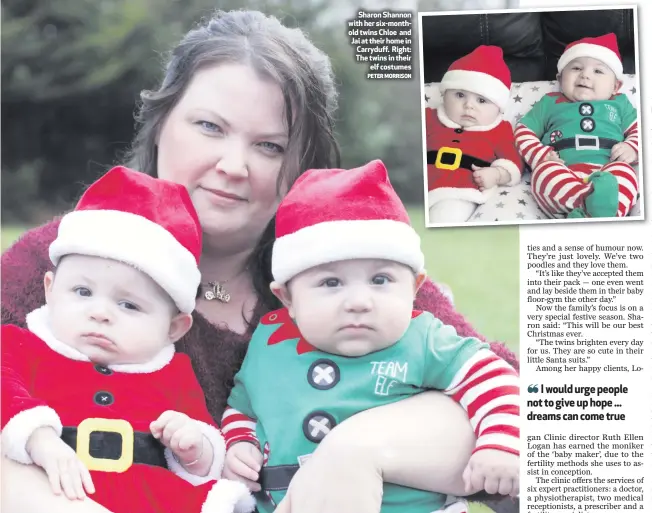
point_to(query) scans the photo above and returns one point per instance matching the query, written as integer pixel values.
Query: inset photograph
(530, 116)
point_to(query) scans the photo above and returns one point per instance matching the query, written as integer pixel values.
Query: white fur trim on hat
(479, 83)
(598, 52)
(20, 427)
(228, 497)
(135, 240)
(219, 452)
(333, 241)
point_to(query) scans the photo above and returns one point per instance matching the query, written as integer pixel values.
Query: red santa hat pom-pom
(340, 214)
(482, 72)
(603, 48)
(143, 221)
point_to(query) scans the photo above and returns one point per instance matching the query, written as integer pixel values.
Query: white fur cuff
(229, 497)
(511, 168)
(219, 453)
(21, 426)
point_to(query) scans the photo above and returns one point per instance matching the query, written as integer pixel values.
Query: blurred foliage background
(72, 71)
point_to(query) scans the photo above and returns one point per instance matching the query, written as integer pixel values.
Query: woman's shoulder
(23, 266)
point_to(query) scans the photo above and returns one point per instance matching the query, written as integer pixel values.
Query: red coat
(45, 383)
(493, 144)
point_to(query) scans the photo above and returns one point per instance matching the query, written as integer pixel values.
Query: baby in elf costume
(580, 143)
(347, 265)
(92, 390)
(470, 148)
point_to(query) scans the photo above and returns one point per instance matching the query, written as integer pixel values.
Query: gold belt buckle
(122, 427)
(445, 150)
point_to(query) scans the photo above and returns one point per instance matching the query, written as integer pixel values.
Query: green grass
(9, 235)
(481, 266)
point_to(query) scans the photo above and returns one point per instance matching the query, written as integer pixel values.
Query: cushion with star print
(516, 204)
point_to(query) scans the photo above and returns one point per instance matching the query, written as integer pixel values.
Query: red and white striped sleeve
(237, 427)
(631, 136)
(529, 146)
(487, 387)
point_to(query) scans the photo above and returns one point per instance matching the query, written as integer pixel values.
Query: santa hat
(603, 48)
(482, 72)
(143, 221)
(338, 214)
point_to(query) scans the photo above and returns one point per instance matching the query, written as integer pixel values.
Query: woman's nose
(233, 160)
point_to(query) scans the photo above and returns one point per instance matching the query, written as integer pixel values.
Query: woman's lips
(222, 197)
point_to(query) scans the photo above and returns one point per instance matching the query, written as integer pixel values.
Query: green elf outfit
(288, 395)
(583, 133)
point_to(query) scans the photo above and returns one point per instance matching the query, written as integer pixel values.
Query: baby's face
(587, 79)
(108, 310)
(353, 307)
(468, 109)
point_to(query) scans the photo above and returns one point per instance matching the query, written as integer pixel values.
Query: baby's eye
(482, 100)
(599, 72)
(82, 291)
(331, 282)
(128, 305)
(459, 94)
(380, 279)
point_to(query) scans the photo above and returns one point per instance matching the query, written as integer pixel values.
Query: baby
(347, 265)
(470, 147)
(580, 142)
(92, 390)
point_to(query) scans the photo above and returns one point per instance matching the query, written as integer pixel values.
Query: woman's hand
(66, 473)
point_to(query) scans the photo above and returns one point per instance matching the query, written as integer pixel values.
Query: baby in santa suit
(347, 265)
(470, 148)
(93, 391)
(581, 142)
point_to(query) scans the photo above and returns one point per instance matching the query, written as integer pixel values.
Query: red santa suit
(452, 148)
(48, 383)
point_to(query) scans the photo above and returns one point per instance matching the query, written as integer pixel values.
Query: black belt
(466, 161)
(584, 142)
(108, 445)
(278, 477)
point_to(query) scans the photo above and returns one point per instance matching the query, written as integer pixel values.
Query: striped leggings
(558, 188)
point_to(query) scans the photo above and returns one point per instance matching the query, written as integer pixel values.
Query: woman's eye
(380, 279)
(209, 126)
(128, 305)
(272, 147)
(82, 291)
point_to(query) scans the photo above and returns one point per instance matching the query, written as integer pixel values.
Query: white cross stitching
(323, 374)
(586, 110)
(319, 426)
(587, 124)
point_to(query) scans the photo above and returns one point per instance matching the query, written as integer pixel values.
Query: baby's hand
(181, 434)
(623, 152)
(493, 471)
(552, 155)
(485, 177)
(64, 469)
(243, 463)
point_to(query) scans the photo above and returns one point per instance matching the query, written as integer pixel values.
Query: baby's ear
(179, 326)
(48, 281)
(619, 84)
(282, 292)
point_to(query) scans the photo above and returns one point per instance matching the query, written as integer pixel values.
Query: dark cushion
(531, 42)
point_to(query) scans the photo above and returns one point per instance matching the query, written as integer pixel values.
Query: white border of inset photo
(631, 81)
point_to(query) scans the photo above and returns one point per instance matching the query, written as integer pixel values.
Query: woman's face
(225, 141)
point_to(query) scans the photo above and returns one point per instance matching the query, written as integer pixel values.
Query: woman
(245, 106)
